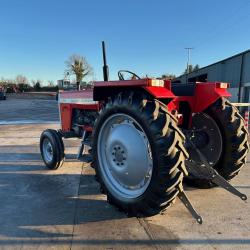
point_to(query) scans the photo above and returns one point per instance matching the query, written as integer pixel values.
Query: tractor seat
(183, 89)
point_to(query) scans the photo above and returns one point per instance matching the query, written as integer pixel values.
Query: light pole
(188, 62)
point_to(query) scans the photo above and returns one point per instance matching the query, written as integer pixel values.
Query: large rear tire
(138, 154)
(235, 143)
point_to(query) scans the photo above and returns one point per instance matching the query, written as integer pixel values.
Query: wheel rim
(207, 138)
(125, 156)
(47, 150)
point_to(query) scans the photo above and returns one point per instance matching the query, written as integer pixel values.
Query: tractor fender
(207, 94)
(101, 93)
(160, 92)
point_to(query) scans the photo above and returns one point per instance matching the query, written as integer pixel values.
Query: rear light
(156, 83)
(222, 85)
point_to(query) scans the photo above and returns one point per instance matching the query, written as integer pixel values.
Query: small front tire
(52, 149)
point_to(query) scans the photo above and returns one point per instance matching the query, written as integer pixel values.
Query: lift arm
(204, 170)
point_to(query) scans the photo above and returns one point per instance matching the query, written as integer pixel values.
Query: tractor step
(85, 158)
(204, 170)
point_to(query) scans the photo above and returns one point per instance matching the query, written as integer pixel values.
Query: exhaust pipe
(105, 66)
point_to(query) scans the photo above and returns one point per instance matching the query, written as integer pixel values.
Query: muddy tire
(52, 149)
(235, 142)
(138, 154)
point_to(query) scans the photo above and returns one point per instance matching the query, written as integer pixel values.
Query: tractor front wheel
(138, 154)
(52, 148)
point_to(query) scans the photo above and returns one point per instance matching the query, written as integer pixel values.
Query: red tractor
(147, 135)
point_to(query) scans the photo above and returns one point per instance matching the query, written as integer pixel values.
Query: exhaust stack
(105, 66)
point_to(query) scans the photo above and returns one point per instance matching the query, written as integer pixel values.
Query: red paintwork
(205, 94)
(126, 83)
(167, 84)
(160, 92)
(172, 105)
(86, 128)
(67, 108)
(130, 83)
(155, 91)
(66, 112)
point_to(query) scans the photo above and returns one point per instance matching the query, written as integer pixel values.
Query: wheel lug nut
(114, 160)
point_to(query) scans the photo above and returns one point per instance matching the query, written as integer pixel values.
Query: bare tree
(191, 68)
(51, 83)
(78, 66)
(168, 76)
(37, 84)
(21, 79)
(22, 83)
(33, 82)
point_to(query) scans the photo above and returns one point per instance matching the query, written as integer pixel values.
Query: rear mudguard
(205, 94)
(160, 92)
(102, 90)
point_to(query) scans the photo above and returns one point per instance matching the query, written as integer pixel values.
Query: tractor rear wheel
(234, 141)
(52, 148)
(138, 154)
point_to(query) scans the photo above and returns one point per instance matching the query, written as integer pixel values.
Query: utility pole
(188, 62)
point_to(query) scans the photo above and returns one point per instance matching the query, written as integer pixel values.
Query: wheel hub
(47, 150)
(206, 136)
(124, 156)
(119, 155)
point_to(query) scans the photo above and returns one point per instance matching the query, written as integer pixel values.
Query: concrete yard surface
(20, 110)
(64, 209)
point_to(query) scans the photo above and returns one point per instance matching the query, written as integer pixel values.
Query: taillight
(155, 83)
(222, 85)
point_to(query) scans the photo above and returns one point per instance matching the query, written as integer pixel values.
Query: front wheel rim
(124, 156)
(47, 150)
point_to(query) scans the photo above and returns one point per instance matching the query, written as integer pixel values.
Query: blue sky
(147, 37)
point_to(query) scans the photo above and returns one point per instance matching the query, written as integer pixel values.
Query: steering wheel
(121, 76)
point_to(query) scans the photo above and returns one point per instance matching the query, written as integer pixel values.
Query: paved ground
(16, 109)
(63, 209)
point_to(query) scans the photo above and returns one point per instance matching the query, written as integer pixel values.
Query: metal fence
(244, 110)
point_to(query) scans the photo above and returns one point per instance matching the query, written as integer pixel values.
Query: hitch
(204, 170)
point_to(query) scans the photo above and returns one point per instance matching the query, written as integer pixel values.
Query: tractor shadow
(40, 203)
(37, 203)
